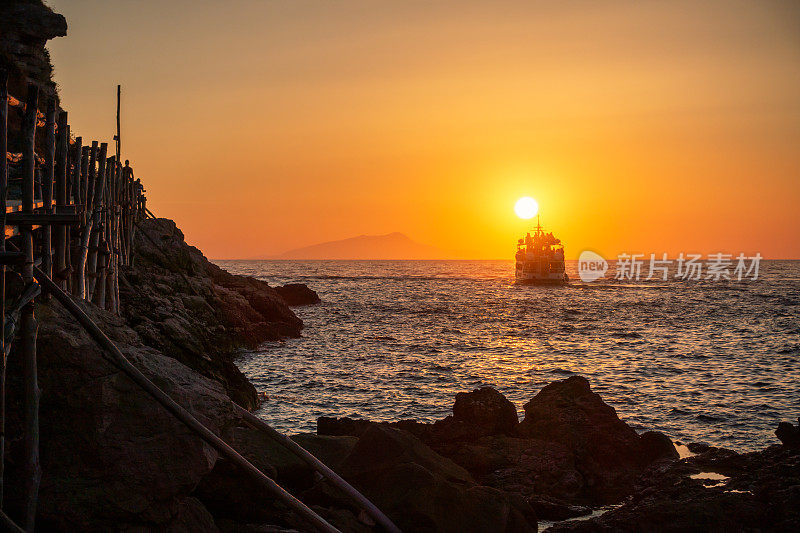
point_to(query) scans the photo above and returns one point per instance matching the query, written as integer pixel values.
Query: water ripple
(715, 362)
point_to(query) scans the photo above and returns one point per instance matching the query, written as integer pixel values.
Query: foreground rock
(112, 458)
(788, 434)
(757, 491)
(190, 309)
(571, 448)
(607, 452)
(423, 491)
(416, 487)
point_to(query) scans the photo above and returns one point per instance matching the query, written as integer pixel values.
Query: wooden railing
(84, 204)
(69, 212)
(71, 230)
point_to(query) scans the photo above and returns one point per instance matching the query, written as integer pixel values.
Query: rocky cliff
(188, 308)
(25, 27)
(112, 458)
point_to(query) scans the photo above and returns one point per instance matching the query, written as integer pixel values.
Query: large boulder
(788, 434)
(423, 491)
(297, 294)
(112, 457)
(487, 410)
(608, 453)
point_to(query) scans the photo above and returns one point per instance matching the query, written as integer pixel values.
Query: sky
(638, 126)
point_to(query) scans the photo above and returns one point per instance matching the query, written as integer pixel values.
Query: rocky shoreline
(113, 459)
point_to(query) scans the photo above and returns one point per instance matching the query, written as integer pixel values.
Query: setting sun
(526, 207)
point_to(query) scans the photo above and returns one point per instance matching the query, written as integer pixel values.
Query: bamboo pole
(86, 230)
(129, 213)
(3, 197)
(31, 468)
(118, 138)
(60, 193)
(118, 177)
(97, 213)
(77, 167)
(85, 180)
(104, 251)
(118, 359)
(60, 237)
(113, 239)
(67, 208)
(48, 171)
(118, 236)
(75, 232)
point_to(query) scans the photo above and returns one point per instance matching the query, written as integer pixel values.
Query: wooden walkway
(68, 235)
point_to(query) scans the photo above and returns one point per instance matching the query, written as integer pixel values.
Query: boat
(540, 259)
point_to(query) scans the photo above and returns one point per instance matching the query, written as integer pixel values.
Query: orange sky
(638, 126)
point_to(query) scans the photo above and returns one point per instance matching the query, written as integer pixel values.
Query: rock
(31, 19)
(656, 446)
(190, 309)
(571, 446)
(525, 466)
(487, 410)
(762, 494)
(382, 446)
(228, 496)
(112, 457)
(553, 509)
(788, 434)
(297, 294)
(608, 453)
(342, 426)
(423, 491)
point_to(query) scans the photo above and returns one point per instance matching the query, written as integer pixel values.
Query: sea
(714, 361)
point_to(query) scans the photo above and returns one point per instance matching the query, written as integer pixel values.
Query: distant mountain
(390, 246)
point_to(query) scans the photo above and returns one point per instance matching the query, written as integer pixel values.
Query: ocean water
(703, 361)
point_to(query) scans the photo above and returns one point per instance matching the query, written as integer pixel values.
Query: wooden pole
(97, 213)
(131, 209)
(75, 233)
(3, 197)
(31, 468)
(113, 239)
(86, 230)
(48, 171)
(118, 176)
(67, 208)
(103, 252)
(77, 167)
(85, 180)
(118, 137)
(60, 237)
(118, 235)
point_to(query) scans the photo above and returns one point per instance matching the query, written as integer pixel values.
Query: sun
(526, 207)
